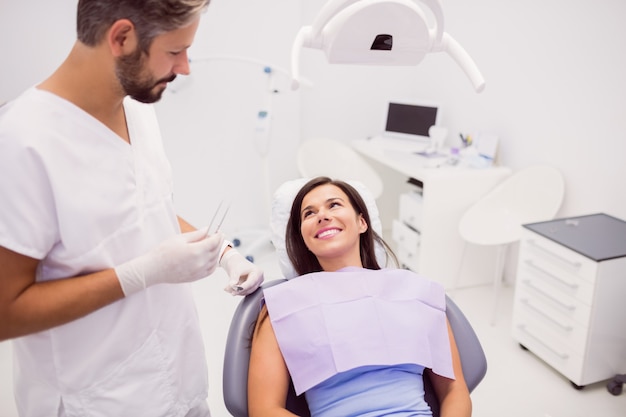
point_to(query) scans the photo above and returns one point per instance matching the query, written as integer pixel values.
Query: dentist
(94, 261)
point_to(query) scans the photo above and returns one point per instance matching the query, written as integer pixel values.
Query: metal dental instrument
(208, 230)
(219, 225)
(235, 288)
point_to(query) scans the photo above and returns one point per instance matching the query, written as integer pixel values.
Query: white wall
(209, 123)
(556, 90)
(35, 37)
(555, 93)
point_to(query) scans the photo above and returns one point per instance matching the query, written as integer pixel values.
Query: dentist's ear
(122, 38)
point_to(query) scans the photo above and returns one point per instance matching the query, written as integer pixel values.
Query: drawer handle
(561, 355)
(529, 284)
(411, 228)
(545, 315)
(560, 280)
(573, 264)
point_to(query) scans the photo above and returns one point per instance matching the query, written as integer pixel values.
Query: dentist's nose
(182, 66)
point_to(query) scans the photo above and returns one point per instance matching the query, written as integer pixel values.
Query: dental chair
(237, 354)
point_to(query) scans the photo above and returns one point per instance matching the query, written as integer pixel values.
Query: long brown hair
(303, 260)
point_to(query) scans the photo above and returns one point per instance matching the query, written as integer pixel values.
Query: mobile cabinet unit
(569, 296)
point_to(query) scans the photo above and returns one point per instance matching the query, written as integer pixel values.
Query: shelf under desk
(447, 192)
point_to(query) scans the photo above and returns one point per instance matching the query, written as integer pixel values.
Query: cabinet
(569, 295)
(423, 216)
(406, 229)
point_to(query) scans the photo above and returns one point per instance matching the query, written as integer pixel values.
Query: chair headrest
(281, 207)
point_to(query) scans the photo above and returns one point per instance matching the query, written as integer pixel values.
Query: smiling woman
(330, 226)
(303, 259)
(346, 332)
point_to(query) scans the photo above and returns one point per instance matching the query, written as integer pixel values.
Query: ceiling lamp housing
(381, 32)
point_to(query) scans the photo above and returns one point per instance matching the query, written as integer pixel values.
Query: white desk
(447, 192)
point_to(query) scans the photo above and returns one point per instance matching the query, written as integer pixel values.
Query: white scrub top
(78, 197)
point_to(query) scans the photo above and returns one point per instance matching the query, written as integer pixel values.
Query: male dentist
(95, 263)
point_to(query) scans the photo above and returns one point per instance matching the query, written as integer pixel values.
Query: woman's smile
(327, 232)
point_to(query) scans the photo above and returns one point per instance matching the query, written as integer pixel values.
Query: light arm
(328, 11)
(462, 58)
(298, 43)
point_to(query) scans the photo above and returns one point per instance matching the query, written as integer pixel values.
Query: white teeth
(328, 233)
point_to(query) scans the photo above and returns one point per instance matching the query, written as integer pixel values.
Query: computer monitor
(410, 119)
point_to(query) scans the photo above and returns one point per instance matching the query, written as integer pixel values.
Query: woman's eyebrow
(334, 198)
(328, 200)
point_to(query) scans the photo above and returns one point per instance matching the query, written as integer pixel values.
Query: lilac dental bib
(331, 322)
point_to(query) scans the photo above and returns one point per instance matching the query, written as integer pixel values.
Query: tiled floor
(518, 384)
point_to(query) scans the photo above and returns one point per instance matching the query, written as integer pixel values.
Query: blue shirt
(371, 391)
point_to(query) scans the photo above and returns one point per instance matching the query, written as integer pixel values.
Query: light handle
(462, 58)
(303, 34)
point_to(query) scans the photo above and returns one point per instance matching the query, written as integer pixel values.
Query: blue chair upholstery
(237, 356)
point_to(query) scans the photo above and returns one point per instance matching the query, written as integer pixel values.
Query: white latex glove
(185, 257)
(244, 276)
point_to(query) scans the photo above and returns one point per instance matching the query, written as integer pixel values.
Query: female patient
(355, 338)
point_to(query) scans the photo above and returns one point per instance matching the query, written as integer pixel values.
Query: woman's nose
(322, 216)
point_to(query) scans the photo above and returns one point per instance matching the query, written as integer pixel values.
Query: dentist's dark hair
(150, 17)
(303, 260)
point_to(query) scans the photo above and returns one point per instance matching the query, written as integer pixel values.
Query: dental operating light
(380, 32)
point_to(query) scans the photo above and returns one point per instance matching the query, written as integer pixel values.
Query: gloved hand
(245, 277)
(185, 257)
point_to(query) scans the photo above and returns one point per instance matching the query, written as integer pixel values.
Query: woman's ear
(362, 224)
(122, 38)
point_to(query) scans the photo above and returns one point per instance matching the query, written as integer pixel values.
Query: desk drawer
(557, 355)
(554, 329)
(408, 259)
(405, 236)
(558, 259)
(555, 304)
(411, 209)
(553, 279)
(562, 335)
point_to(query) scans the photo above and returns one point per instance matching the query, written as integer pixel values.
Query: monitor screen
(410, 119)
